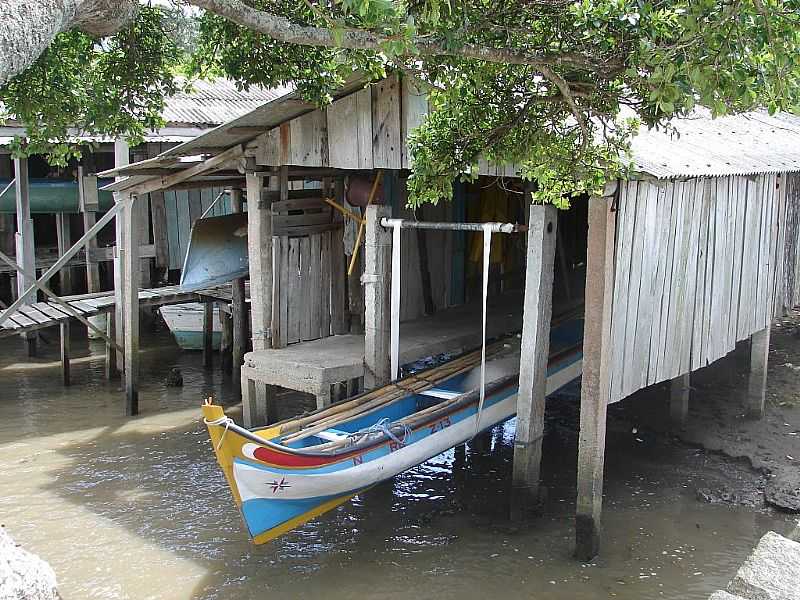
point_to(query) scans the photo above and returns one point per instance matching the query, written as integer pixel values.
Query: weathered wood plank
(308, 135)
(294, 300)
(649, 271)
(630, 376)
(662, 259)
(325, 284)
(626, 210)
(415, 108)
(307, 288)
(386, 138)
(338, 284)
(314, 275)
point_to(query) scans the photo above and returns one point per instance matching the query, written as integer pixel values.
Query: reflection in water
(137, 508)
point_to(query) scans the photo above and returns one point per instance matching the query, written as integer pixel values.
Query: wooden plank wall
(367, 129)
(700, 265)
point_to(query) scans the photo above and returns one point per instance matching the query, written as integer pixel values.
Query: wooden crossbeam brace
(50, 294)
(161, 183)
(60, 262)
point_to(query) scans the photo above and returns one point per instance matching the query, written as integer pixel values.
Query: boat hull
(185, 322)
(278, 490)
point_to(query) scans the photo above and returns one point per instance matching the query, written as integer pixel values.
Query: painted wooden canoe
(185, 322)
(287, 474)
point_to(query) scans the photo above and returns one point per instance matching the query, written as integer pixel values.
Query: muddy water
(137, 508)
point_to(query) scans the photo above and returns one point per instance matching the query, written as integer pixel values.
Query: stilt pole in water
(26, 254)
(538, 308)
(238, 310)
(679, 389)
(131, 274)
(65, 351)
(208, 335)
(595, 380)
(757, 380)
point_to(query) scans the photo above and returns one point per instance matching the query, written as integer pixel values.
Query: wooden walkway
(47, 314)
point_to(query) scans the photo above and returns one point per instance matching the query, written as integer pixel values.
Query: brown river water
(137, 508)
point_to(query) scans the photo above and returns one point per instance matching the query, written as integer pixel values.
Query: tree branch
(283, 30)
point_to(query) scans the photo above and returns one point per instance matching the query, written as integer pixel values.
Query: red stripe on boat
(293, 460)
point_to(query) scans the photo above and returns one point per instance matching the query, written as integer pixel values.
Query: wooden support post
(259, 235)
(64, 244)
(538, 308)
(226, 341)
(25, 246)
(377, 286)
(757, 378)
(595, 381)
(121, 158)
(131, 272)
(65, 350)
(679, 389)
(89, 205)
(111, 352)
(238, 311)
(208, 335)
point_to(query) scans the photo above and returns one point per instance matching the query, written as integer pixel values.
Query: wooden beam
(757, 378)
(87, 196)
(167, 181)
(377, 285)
(64, 242)
(238, 310)
(121, 159)
(208, 335)
(65, 352)
(537, 311)
(131, 273)
(25, 249)
(595, 384)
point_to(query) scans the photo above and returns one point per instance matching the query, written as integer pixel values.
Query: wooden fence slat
(325, 284)
(630, 376)
(315, 275)
(295, 307)
(649, 272)
(306, 289)
(664, 247)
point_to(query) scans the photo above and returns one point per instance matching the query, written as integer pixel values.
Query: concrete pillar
(538, 308)
(25, 246)
(238, 310)
(595, 381)
(757, 379)
(377, 296)
(131, 274)
(679, 389)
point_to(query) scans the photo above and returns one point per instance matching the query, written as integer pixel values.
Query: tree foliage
(541, 83)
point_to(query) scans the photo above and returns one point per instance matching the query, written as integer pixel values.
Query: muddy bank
(717, 420)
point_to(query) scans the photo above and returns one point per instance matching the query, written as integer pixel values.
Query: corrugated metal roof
(215, 102)
(743, 144)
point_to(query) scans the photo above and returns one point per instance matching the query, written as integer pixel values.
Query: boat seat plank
(440, 393)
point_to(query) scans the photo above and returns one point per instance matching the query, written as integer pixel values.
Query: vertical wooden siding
(699, 265)
(182, 207)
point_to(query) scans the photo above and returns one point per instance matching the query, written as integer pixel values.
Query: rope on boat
(383, 426)
(223, 420)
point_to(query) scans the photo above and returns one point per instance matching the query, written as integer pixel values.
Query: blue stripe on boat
(262, 514)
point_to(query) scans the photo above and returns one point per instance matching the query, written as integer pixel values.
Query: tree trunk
(28, 27)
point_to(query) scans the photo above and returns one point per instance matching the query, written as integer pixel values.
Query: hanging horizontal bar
(495, 227)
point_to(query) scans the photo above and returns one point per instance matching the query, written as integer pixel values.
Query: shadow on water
(138, 508)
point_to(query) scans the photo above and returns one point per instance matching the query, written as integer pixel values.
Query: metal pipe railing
(443, 226)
